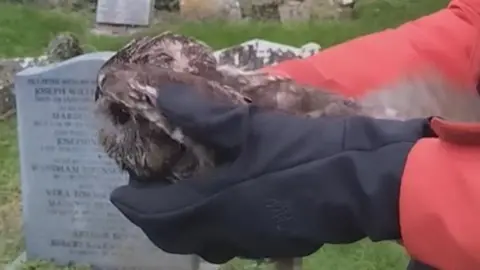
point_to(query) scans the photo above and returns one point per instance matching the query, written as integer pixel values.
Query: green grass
(10, 220)
(26, 31)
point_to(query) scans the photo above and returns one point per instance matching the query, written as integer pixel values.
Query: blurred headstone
(210, 9)
(258, 53)
(265, 9)
(124, 12)
(330, 9)
(168, 5)
(294, 11)
(66, 177)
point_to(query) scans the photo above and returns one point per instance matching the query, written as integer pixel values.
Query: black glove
(288, 184)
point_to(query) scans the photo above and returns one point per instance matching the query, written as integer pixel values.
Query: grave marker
(210, 9)
(66, 177)
(124, 12)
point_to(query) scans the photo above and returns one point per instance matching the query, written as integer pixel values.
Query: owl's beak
(97, 93)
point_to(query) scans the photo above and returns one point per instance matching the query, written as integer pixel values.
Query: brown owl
(135, 134)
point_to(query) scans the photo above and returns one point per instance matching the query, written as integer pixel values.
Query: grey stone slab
(124, 12)
(66, 178)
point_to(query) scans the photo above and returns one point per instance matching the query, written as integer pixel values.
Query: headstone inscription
(66, 178)
(124, 12)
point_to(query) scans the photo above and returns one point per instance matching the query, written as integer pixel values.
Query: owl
(135, 134)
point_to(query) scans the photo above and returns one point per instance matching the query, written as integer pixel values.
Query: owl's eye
(166, 58)
(120, 115)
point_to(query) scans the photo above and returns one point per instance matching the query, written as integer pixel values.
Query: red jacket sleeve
(440, 198)
(446, 41)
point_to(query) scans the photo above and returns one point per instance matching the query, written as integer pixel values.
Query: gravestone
(124, 12)
(210, 9)
(257, 53)
(66, 178)
(294, 11)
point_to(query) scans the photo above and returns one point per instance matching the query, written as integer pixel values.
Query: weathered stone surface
(266, 11)
(257, 53)
(330, 9)
(8, 69)
(210, 9)
(7, 72)
(124, 12)
(294, 11)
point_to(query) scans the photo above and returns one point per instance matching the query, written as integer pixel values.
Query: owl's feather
(135, 133)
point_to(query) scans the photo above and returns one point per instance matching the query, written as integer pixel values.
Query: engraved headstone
(257, 53)
(124, 12)
(66, 178)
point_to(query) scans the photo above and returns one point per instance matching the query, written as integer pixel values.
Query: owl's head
(138, 145)
(133, 130)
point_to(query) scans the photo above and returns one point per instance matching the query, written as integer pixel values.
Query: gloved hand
(287, 186)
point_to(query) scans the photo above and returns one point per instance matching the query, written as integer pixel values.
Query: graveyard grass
(26, 31)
